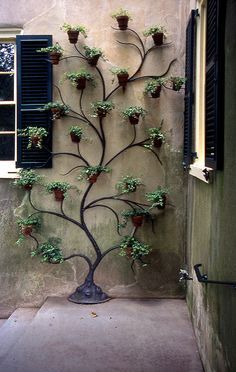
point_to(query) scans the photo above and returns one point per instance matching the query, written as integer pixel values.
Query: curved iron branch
(79, 255)
(103, 83)
(141, 145)
(75, 112)
(154, 76)
(72, 169)
(111, 209)
(138, 37)
(109, 250)
(132, 44)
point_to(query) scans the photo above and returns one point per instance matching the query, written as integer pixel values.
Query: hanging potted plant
(157, 197)
(73, 32)
(49, 251)
(35, 136)
(137, 216)
(91, 173)
(123, 17)
(128, 184)
(55, 53)
(26, 225)
(92, 55)
(57, 109)
(153, 87)
(133, 113)
(122, 75)
(27, 178)
(133, 248)
(76, 133)
(59, 189)
(156, 138)
(102, 108)
(177, 82)
(157, 32)
(79, 78)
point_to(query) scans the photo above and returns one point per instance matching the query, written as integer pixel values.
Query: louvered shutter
(189, 89)
(34, 89)
(214, 86)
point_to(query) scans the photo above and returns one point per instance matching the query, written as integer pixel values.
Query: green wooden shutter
(189, 88)
(34, 89)
(214, 94)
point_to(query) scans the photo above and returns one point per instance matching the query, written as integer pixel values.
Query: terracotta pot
(93, 178)
(122, 79)
(75, 138)
(92, 61)
(158, 38)
(81, 83)
(26, 230)
(134, 119)
(73, 36)
(137, 220)
(157, 92)
(56, 113)
(101, 113)
(129, 251)
(55, 57)
(35, 140)
(164, 203)
(122, 22)
(157, 142)
(27, 187)
(58, 194)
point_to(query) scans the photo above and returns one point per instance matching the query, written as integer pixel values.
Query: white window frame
(8, 167)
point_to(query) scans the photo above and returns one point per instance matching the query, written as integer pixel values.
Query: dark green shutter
(34, 89)
(189, 88)
(214, 94)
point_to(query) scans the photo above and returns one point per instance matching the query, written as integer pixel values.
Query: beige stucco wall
(26, 281)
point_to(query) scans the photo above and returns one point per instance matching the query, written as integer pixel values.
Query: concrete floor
(119, 335)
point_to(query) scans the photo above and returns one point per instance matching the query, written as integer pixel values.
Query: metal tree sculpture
(89, 292)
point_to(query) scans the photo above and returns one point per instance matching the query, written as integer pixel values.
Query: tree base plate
(88, 294)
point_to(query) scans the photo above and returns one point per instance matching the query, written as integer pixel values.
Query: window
(25, 86)
(203, 137)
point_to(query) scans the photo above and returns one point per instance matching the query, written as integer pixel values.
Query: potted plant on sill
(177, 82)
(79, 78)
(26, 225)
(122, 75)
(76, 133)
(92, 55)
(91, 173)
(128, 184)
(156, 138)
(157, 197)
(57, 109)
(137, 216)
(55, 53)
(35, 136)
(157, 32)
(133, 248)
(49, 251)
(59, 189)
(101, 108)
(133, 113)
(27, 178)
(74, 31)
(153, 87)
(123, 17)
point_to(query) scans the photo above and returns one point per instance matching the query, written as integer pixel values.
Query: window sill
(8, 169)
(202, 173)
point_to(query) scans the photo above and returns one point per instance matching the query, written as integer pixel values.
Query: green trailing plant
(87, 172)
(154, 30)
(91, 52)
(35, 136)
(27, 178)
(62, 108)
(121, 73)
(154, 134)
(56, 48)
(134, 111)
(26, 226)
(157, 197)
(133, 213)
(75, 76)
(79, 28)
(101, 108)
(152, 84)
(133, 248)
(58, 185)
(49, 251)
(128, 184)
(77, 131)
(177, 82)
(121, 12)
(119, 70)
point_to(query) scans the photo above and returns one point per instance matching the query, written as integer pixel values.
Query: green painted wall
(211, 238)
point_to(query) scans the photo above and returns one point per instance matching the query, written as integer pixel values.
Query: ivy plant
(128, 184)
(49, 251)
(35, 136)
(132, 247)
